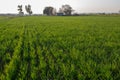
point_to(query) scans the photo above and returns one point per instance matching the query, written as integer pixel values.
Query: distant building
(60, 14)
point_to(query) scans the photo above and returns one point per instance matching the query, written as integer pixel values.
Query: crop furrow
(11, 70)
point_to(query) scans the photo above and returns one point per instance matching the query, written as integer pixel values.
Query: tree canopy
(49, 11)
(28, 9)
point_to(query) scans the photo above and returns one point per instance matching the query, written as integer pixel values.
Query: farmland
(60, 48)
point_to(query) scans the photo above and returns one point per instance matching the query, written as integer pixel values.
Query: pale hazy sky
(10, 6)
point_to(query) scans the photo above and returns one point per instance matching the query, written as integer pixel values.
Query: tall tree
(67, 9)
(49, 11)
(28, 9)
(20, 10)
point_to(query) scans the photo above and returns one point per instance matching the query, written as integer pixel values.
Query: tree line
(27, 8)
(49, 10)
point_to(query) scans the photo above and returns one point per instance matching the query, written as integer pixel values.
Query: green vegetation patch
(60, 48)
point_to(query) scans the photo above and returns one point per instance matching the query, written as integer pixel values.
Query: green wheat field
(60, 48)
